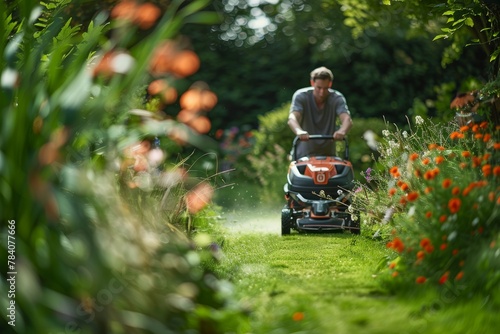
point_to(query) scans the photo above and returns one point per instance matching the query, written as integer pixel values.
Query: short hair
(321, 73)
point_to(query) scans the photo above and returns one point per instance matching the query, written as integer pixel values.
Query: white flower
(386, 133)
(340, 192)
(405, 134)
(354, 218)
(393, 144)
(419, 120)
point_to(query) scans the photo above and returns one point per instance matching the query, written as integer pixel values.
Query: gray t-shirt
(318, 121)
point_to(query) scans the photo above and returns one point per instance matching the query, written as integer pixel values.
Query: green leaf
(439, 37)
(204, 18)
(469, 22)
(449, 13)
(495, 54)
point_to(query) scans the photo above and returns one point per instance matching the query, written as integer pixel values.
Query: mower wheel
(355, 223)
(286, 220)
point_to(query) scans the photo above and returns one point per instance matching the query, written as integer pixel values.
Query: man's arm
(345, 126)
(294, 120)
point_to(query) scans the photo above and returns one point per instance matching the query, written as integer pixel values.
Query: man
(314, 111)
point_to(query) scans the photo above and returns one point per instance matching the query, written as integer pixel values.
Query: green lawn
(327, 284)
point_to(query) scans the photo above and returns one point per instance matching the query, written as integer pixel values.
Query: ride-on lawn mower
(318, 191)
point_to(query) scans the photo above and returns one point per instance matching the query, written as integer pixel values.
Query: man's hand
(303, 135)
(339, 135)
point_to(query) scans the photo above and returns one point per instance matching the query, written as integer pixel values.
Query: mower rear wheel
(286, 220)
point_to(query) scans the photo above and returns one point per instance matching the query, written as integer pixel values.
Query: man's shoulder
(304, 90)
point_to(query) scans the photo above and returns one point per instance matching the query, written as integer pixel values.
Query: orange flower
(425, 161)
(146, 15)
(468, 190)
(412, 196)
(428, 190)
(486, 137)
(199, 196)
(438, 159)
(464, 128)
(395, 274)
(491, 196)
(466, 154)
(454, 205)
(413, 156)
(432, 146)
(420, 280)
(455, 191)
(404, 186)
(443, 247)
(456, 135)
(392, 191)
(463, 165)
(392, 265)
(496, 146)
(394, 171)
(442, 218)
(459, 276)
(420, 255)
(486, 170)
(429, 248)
(428, 214)
(446, 183)
(483, 125)
(478, 136)
(298, 316)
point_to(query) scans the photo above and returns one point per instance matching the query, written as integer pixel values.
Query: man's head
(321, 80)
(321, 73)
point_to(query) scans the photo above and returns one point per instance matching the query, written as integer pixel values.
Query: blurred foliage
(94, 179)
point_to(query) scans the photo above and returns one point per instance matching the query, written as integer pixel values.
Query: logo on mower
(320, 177)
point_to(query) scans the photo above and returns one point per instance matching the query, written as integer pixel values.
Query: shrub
(439, 187)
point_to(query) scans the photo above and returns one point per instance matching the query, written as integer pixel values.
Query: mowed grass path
(326, 283)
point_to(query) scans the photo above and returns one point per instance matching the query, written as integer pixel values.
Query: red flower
(396, 244)
(420, 255)
(459, 276)
(394, 171)
(486, 170)
(429, 248)
(454, 205)
(412, 196)
(446, 183)
(298, 316)
(443, 278)
(420, 280)
(425, 242)
(443, 246)
(442, 218)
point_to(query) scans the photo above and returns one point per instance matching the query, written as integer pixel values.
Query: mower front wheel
(286, 220)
